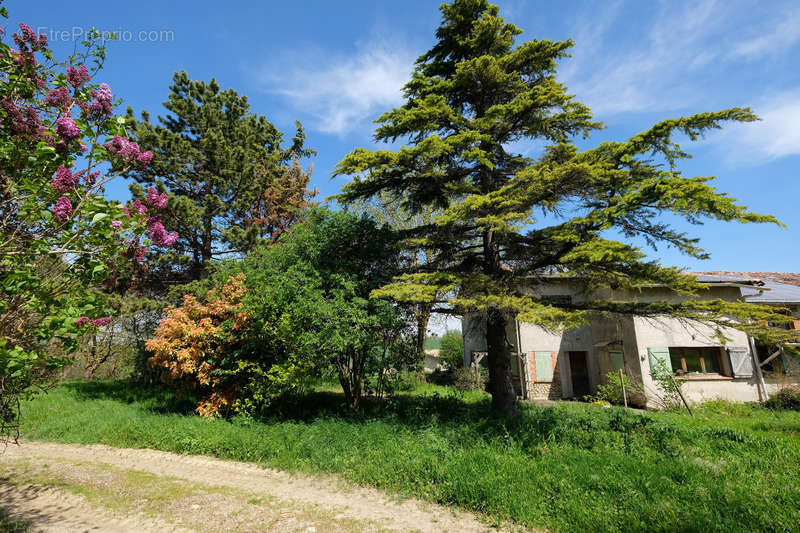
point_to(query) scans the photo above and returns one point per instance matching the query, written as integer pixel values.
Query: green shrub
(611, 390)
(452, 351)
(787, 399)
(468, 379)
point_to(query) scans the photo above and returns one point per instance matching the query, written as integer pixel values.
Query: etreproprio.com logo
(78, 33)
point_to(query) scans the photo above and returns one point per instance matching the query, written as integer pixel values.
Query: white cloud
(673, 53)
(646, 77)
(342, 93)
(785, 32)
(776, 135)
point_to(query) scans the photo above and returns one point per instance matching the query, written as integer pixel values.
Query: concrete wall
(634, 335)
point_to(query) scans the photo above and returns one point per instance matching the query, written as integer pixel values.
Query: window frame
(717, 353)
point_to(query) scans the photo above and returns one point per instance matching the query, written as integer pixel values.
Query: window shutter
(657, 356)
(617, 360)
(543, 362)
(741, 362)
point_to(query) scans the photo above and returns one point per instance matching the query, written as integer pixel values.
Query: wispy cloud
(777, 36)
(341, 93)
(644, 76)
(669, 47)
(776, 135)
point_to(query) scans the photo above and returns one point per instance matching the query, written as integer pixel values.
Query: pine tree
(509, 218)
(223, 168)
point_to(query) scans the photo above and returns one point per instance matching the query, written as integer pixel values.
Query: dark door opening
(579, 371)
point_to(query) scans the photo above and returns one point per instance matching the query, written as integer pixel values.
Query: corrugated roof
(776, 287)
(789, 278)
(776, 293)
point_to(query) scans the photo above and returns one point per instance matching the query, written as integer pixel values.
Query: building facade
(572, 363)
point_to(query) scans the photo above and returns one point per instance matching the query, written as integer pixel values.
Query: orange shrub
(191, 338)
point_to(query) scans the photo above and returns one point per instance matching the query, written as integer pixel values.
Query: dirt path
(61, 487)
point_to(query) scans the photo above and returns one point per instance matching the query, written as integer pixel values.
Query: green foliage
(468, 378)
(506, 216)
(611, 390)
(231, 181)
(303, 310)
(669, 390)
(61, 240)
(569, 467)
(788, 398)
(452, 349)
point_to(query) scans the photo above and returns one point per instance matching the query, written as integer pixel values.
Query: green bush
(468, 379)
(452, 351)
(611, 390)
(786, 399)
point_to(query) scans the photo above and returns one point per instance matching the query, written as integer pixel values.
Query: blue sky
(335, 66)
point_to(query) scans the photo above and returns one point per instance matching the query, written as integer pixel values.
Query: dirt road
(61, 487)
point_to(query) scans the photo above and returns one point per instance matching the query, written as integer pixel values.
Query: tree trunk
(501, 387)
(423, 316)
(504, 399)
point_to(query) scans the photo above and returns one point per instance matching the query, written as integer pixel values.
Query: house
(571, 364)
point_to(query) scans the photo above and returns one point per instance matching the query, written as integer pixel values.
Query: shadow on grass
(156, 398)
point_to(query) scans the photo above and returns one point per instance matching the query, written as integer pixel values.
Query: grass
(9, 525)
(570, 467)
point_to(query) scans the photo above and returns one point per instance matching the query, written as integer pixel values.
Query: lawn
(571, 467)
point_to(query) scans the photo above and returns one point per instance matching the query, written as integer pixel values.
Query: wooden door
(579, 371)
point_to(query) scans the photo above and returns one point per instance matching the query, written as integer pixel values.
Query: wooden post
(678, 389)
(757, 367)
(622, 381)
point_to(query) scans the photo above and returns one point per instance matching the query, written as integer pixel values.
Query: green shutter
(617, 360)
(659, 355)
(544, 366)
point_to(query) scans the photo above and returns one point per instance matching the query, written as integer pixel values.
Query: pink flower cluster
(64, 180)
(102, 102)
(77, 77)
(97, 322)
(66, 129)
(159, 201)
(128, 150)
(28, 122)
(29, 37)
(159, 235)
(58, 97)
(63, 209)
(137, 206)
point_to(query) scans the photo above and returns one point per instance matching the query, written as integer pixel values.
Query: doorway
(579, 371)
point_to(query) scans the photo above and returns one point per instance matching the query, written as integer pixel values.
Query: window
(702, 360)
(543, 366)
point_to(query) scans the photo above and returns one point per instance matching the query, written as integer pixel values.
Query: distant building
(572, 363)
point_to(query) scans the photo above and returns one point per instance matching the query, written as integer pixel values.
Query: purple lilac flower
(100, 322)
(102, 101)
(66, 128)
(82, 321)
(58, 97)
(64, 180)
(139, 207)
(160, 237)
(77, 77)
(144, 158)
(117, 225)
(63, 208)
(159, 201)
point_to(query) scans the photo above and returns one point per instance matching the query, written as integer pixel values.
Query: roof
(788, 278)
(775, 287)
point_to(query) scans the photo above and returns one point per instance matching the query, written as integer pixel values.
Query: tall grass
(570, 467)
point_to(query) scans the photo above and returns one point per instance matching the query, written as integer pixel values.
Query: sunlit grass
(571, 467)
